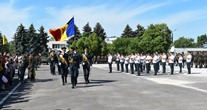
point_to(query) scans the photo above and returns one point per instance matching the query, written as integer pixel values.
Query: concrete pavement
(113, 91)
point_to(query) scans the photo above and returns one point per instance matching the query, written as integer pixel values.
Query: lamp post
(172, 35)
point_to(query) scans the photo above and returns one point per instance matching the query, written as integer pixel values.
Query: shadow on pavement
(44, 80)
(19, 96)
(101, 81)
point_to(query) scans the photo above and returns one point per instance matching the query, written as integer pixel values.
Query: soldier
(126, 63)
(51, 61)
(137, 64)
(148, 62)
(110, 58)
(25, 62)
(180, 62)
(122, 63)
(63, 62)
(171, 62)
(164, 58)
(86, 63)
(59, 66)
(74, 60)
(31, 67)
(189, 60)
(117, 61)
(131, 61)
(155, 63)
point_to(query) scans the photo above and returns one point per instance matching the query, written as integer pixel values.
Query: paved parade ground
(113, 91)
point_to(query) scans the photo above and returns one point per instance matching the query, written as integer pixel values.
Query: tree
(19, 39)
(87, 30)
(201, 40)
(183, 42)
(139, 31)
(99, 30)
(43, 40)
(33, 43)
(127, 33)
(156, 38)
(120, 45)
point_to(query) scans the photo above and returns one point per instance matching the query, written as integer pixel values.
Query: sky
(186, 18)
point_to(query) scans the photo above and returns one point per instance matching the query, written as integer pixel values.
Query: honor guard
(51, 61)
(74, 60)
(62, 62)
(180, 62)
(164, 58)
(86, 63)
(110, 58)
(131, 61)
(117, 61)
(155, 63)
(122, 63)
(188, 61)
(126, 63)
(31, 67)
(171, 62)
(148, 62)
(137, 64)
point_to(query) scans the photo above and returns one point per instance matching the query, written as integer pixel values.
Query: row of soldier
(69, 62)
(138, 62)
(9, 63)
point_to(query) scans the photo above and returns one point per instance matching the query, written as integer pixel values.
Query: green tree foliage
(201, 40)
(120, 45)
(139, 31)
(156, 38)
(87, 30)
(31, 36)
(42, 41)
(128, 32)
(183, 42)
(99, 30)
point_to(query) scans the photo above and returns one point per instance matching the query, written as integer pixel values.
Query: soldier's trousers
(74, 75)
(52, 68)
(126, 67)
(172, 68)
(141, 69)
(86, 72)
(148, 67)
(181, 66)
(64, 74)
(163, 67)
(132, 68)
(59, 69)
(122, 66)
(155, 68)
(189, 67)
(117, 64)
(110, 67)
(137, 68)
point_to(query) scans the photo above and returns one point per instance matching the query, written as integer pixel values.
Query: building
(56, 45)
(185, 50)
(109, 40)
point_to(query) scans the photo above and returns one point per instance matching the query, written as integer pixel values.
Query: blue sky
(187, 17)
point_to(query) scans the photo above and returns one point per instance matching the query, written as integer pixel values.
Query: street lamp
(172, 35)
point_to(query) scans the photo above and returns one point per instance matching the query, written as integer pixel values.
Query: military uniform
(171, 62)
(188, 61)
(25, 62)
(31, 67)
(74, 60)
(117, 61)
(52, 60)
(110, 62)
(122, 63)
(63, 63)
(86, 63)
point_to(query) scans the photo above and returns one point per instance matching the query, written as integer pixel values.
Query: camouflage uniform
(31, 67)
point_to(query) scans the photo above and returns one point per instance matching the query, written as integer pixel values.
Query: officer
(86, 63)
(25, 62)
(31, 67)
(74, 59)
(59, 66)
(188, 61)
(62, 59)
(51, 61)
(155, 63)
(171, 62)
(148, 62)
(110, 58)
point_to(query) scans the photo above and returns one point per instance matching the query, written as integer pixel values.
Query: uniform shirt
(122, 59)
(180, 60)
(142, 58)
(109, 59)
(127, 60)
(155, 59)
(131, 60)
(164, 57)
(137, 59)
(189, 58)
(148, 59)
(172, 58)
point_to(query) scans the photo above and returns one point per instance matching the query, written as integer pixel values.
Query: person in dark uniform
(58, 66)
(86, 63)
(51, 61)
(65, 56)
(74, 60)
(122, 59)
(117, 61)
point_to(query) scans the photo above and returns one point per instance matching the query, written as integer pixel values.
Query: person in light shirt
(131, 61)
(110, 62)
(155, 60)
(180, 62)
(137, 64)
(148, 62)
(126, 63)
(171, 62)
(188, 61)
(122, 63)
(164, 57)
(117, 61)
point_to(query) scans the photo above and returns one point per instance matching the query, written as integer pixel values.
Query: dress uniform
(126, 63)
(148, 62)
(131, 61)
(86, 63)
(110, 62)
(171, 62)
(31, 67)
(155, 63)
(137, 64)
(58, 66)
(188, 61)
(63, 68)
(180, 62)
(65, 56)
(74, 60)
(164, 58)
(122, 63)
(117, 61)
(51, 61)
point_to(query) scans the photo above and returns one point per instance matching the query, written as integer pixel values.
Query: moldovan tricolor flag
(64, 32)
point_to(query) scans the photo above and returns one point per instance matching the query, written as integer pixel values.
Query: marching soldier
(205, 56)
(59, 66)
(31, 67)
(110, 58)
(180, 62)
(74, 60)
(164, 58)
(189, 60)
(86, 63)
(137, 64)
(131, 61)
(25, 62)
(148, 62)
(171, 62)
(51, 61)
(155, 63)
(126, 63)
(63, 62)
(122, 63)
(117, 61)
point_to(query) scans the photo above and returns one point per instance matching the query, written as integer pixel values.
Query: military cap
(63, 48)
